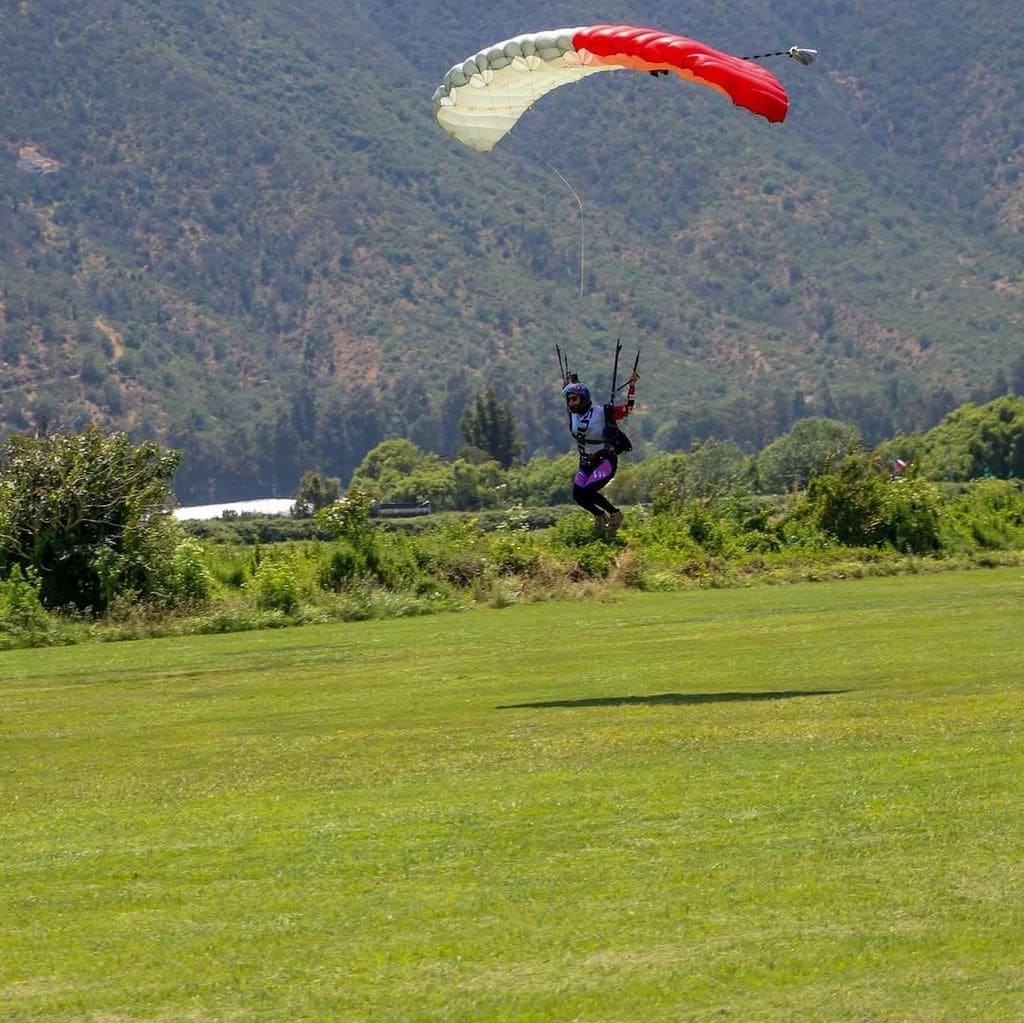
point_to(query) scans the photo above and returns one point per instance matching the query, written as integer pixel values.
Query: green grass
(784, 804)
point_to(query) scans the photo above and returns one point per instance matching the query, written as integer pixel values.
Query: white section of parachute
(480, 100)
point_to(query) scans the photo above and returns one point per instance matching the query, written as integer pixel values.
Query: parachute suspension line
(801, 54)
(579, 202)
(615, 369)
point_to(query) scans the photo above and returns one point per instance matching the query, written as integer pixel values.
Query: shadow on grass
(682, 699)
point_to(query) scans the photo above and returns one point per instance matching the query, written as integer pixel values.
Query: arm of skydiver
(623, 410)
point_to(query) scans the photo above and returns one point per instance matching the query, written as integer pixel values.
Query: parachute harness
(612, 440)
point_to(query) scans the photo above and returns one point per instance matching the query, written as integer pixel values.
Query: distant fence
(401, 510)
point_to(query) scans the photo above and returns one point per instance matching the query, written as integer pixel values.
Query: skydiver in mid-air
(600, 442)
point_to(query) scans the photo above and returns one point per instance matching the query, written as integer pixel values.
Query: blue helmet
(581, 391)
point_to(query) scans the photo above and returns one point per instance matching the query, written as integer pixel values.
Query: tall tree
(315, 491)
(812, 447)
(487, 425)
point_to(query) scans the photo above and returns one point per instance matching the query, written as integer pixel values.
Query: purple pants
(587, 483)
(596, 477)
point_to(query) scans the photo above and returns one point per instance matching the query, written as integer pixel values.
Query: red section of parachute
(747, 84)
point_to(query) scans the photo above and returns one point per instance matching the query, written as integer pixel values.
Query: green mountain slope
(238, 228)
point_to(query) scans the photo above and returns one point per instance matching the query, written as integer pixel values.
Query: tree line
(86, 531)
(971, 442)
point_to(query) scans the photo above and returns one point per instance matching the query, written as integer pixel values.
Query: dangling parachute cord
(579, 202)
(801, 54)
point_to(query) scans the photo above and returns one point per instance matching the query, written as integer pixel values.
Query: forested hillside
(237, 229)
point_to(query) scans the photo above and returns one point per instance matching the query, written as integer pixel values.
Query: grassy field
(786, 804)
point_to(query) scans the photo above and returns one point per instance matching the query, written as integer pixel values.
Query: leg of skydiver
(585, 497)
(614, 515)
(586, 493)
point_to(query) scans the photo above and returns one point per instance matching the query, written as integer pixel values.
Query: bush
(595, 561)
(860, 506)
(349, 518)
(391, 562)
(573, 531)
(706, 529)
(191, 580)
(989, 515)
(849, 505)
(343, 566)
(913, 514)
(275, 586)
(88, 514)
(24, 621)
(664, 537)
(512, 550)
(229, 565)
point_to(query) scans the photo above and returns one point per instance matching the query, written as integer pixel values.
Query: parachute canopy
(480, 100)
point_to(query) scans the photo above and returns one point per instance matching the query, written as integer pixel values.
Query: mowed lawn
(788, 804)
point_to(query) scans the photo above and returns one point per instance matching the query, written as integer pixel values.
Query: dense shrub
(665, 537)
(861, 506)
(23, 619)
(191, 581)
(988, 514)
(390, 561)
(344, 565)
(88, 514)
(511, 548)
(542, 481)
(913, 515)
(275, 586)
(349, 517)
